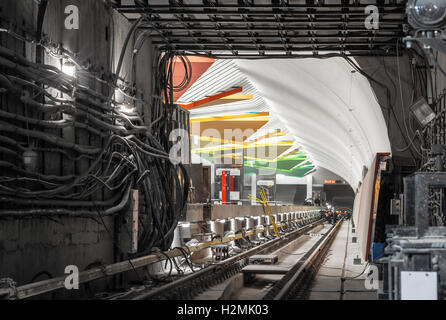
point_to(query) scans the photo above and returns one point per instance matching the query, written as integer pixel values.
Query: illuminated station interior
(222, 150)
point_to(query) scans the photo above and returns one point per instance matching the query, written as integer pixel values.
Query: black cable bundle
(131, 155)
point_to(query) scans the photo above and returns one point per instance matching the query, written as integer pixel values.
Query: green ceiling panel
(288, 164)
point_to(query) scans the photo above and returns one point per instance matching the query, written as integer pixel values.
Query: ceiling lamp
(426, 14)
(69, 69)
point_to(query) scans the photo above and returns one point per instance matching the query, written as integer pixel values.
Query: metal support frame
(416, 246)
(409, 201)
(278, 28)
(416, 201)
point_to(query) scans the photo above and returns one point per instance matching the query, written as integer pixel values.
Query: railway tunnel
(222, 150)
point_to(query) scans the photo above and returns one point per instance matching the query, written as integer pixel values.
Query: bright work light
(425, 14)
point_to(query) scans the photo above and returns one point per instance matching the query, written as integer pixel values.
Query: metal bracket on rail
(8, 289)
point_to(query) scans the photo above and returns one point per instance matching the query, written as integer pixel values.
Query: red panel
(215, 97)
(199, 66)
(375, 176)
(223, 187)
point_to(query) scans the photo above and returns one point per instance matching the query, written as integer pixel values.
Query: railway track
(192, 285)
(212, 274)
(295, 283)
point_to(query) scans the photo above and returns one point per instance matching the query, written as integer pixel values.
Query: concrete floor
(328, 285)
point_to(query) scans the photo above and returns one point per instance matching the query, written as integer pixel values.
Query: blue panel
(377, 250)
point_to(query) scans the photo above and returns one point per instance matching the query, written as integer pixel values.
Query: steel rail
(287, 37)
(295, 13)
(360, 7)
(283, 20)
(292, 44)
(210, 54)
(334, 48)
(199, 28)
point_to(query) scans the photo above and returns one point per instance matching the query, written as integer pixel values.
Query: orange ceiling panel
(199, 66)
(218, 128)
(205, 101)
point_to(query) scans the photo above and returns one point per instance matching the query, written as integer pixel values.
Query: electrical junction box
(263, 259)
(233, 195)
(185, 230)
(419, 285)
(231, 171)
(266, 183)
(237, 224)
(395, 207)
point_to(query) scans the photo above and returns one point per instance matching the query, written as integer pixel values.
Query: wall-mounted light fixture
(69, 68)
(422, 112)
(426, 14)
(126, 108)
(124, 104)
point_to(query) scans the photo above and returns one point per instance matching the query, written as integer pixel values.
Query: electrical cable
(129, 153)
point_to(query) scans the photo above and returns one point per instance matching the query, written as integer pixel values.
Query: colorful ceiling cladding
(331, 110)
(232, 124)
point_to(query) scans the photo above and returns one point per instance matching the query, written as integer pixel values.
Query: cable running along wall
(132, 154)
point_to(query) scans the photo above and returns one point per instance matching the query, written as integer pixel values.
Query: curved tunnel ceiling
(331, 111)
